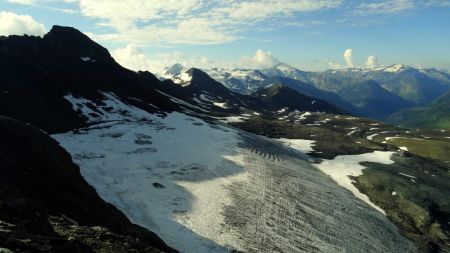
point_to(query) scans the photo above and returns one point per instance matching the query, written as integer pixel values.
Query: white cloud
(348, 57)
(245, 10)
(191, 21)
(372, 62)
(46, 4)
(131, 57)
(384, 7)
(14, 24)
(24, 2)
(438, 3)
(261, 59)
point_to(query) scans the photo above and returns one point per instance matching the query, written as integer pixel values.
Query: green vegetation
(434, 115)
(418, 203)
(436, 149)
(330, 141)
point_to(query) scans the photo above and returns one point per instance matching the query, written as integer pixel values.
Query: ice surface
(206, 187)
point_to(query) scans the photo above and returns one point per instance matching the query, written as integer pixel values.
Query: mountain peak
(283, 67)
(174, 70)
(396, 68)
(71, 40)
(286, 70)
(282, 64)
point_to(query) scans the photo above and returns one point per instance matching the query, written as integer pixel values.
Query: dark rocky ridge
(310, 90)
(47, 206)
(36, 73)
(278, 96)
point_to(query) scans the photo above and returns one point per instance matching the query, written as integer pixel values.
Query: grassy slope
(436, 149)
(435, 115)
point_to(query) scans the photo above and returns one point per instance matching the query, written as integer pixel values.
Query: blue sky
(308, 34)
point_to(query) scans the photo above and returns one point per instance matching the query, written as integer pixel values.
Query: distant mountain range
(202, 91)
(371, 92)
(419, 86)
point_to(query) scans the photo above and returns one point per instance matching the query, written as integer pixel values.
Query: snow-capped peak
(174, 70)
(396, 68)
(285, 68)
(174, 73)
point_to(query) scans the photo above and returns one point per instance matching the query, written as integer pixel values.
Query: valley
(195, 160)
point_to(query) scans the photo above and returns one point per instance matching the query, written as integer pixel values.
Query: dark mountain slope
(43, 197)
(36, 74)
(310, 90)
(372, 99)
(412, 84)
(434, 115)
(278, 96)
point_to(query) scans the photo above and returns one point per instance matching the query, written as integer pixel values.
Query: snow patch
(406, 175)
(304, 115)
(221, 105)
(341, 167)
(87, 59)
(305, 146)
(370, 137)
(233, 119)
(352, 132)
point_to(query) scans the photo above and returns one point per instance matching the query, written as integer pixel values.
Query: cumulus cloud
(131, 57)
(372, 62)
(348, 57)
(384, 7)
(261, 59)
(14, 24)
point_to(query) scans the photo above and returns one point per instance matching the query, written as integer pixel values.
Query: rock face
(47, 206)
